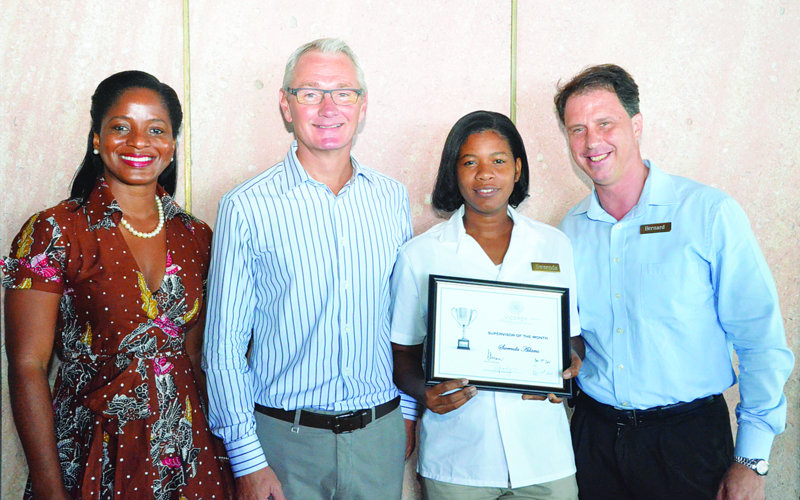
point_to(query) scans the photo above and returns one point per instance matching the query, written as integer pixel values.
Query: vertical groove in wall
(514, 61)
(187, 110)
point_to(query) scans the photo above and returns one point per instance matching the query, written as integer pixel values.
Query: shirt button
(625, 403)
(346, 285)
(619, 330)
(620, 366)
(616, 259)
(617, 295)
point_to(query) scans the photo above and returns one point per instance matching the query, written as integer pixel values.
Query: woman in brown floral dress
(113, 279)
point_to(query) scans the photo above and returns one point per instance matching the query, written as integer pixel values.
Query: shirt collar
(454, 232)
(658, 190)
(453, 229)
(297, 175)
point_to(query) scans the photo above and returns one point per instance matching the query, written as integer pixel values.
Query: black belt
(344, 422)
(636, 418)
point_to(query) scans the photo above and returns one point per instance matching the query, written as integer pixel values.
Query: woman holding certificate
(483, 444)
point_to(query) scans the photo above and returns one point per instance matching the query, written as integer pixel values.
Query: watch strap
(757, 465)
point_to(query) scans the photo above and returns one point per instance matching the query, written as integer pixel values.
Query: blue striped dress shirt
(305, 274)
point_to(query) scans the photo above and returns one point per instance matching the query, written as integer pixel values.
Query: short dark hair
(603, 76)
(105, 96)
(446, 196)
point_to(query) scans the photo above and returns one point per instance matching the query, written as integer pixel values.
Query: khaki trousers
(316, 464)
(561, 489)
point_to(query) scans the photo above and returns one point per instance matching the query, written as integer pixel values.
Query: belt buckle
(628, 418)
(348, 422)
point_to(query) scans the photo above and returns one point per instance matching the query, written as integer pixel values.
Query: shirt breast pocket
(669, 289)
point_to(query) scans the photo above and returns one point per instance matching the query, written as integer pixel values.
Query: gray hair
(325, 46)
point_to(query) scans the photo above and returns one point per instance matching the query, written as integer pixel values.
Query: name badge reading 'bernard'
(662, 227)
(547, 267)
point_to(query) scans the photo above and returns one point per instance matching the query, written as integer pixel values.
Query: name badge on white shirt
(547, 267)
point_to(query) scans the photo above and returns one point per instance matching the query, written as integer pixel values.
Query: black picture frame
(554, 299)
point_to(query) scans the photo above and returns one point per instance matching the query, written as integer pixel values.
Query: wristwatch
(758, 465)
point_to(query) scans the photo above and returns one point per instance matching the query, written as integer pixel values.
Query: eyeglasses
(340, 97)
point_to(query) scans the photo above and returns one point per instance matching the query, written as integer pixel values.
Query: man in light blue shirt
(670, 281)
(301, 261)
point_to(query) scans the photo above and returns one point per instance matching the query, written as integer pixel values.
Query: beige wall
(719, 88)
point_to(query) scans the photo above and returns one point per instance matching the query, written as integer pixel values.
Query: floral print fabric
(129, 419)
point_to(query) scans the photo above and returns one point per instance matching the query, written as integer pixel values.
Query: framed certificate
(500, 336)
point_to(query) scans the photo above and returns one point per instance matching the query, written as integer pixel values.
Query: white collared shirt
(496, 439)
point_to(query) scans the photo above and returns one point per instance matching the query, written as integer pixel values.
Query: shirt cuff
(408, 406)
(246, 455)
(752, 442)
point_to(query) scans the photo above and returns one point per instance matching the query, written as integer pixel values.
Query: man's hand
(436, 402)
(742, 483)
(575, 366)
(411, 436)
(262, 484)
(571, 372)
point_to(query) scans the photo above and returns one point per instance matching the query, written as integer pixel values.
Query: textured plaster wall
(719, 87)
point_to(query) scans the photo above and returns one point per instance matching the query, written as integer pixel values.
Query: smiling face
(486, 172)
(135, 140)
(324, 126)
(603, 139)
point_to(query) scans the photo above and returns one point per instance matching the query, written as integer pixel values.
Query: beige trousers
(316, 464)
(561, 489)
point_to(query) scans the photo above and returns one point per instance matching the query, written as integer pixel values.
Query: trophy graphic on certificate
(463, 316)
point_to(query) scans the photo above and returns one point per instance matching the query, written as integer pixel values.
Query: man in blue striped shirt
(301, 262)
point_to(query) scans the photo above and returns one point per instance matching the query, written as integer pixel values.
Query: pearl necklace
(152, 233)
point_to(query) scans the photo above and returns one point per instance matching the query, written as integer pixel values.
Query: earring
(95, 151)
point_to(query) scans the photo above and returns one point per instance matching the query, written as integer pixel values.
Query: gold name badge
(663, 227)
(548, 267)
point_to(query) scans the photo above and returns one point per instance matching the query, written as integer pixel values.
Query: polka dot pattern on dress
(102, 331)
